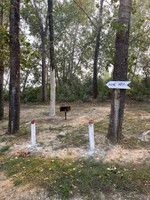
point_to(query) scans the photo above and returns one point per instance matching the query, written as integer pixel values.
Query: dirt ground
(52, 130)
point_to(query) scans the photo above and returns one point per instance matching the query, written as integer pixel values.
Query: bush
(139, 91)
(31, 94)
(6, 95)
(82, 90)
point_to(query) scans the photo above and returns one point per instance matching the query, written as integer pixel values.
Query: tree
(120, 70)
(52, 59)
(139, 37)
(74, 40)
(14, 87)
(99, 27)
(43, 33)
(1, 63)
(35, 16)
(29, 60)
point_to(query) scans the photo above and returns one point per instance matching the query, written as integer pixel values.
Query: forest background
(75, 30)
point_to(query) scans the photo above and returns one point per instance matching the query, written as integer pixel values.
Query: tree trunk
(120, 71)
(1, 86)
(70, 65)
(71, 60)
(25, 80)
(52, 59)
(52, 92)
(44, 72)
(14, 87)
(95, 88)
(43, 33)
(1, 65)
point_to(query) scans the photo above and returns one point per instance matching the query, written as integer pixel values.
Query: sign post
(118, 84)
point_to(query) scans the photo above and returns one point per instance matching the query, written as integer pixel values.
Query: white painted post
(91, 135)
(33, 134)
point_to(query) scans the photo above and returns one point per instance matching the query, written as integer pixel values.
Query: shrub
(31, 95)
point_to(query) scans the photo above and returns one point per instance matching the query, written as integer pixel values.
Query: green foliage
(140, 89)
(120, 28)
(31, 95)
(82, 90)
(4, 148)
(104, 92)
(6, 95)
(30, 60)
(74, 47)
(23, 132)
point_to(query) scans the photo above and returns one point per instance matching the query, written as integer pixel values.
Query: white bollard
(91, 135)
(33, 134)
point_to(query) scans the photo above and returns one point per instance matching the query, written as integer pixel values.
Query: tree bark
(70, 63)
(14, 87)
(52, 92)
(95, 88)
(52, 59)
(44, 72)
(1, 65)
(120, 71)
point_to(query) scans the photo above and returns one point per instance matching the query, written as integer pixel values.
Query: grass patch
(23, 132)
(4, 148)
(134, 143)
(4, 127)
(58, 129)
(75, 138)
(135, 125)
(84, 177)
(101, 127)
(2, 139)
(6, 117)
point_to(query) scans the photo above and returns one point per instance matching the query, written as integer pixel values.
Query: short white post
(91, 135)
(33, 134)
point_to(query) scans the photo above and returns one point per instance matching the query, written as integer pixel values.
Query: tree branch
(84, 13)
(134, 39)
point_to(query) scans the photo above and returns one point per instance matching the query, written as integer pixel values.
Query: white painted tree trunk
(52, 92)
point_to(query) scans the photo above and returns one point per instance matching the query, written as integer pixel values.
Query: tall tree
(120, 70)
(1, 63)
(99, 28)
(52, 59)
(14, 87)
(43, 33)
(74, 28)
(35, 15)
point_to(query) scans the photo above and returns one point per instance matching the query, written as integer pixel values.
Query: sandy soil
(49, 129)
(48, 143)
